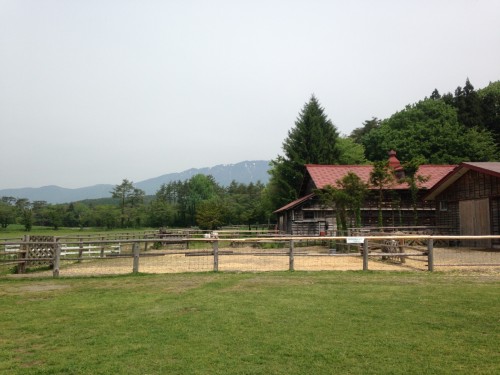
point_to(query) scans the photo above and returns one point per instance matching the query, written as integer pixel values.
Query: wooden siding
(397, 210)
(495, 215)
(475, 220)
(471, 186)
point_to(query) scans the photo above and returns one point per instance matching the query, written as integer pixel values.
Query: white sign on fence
(355, 239)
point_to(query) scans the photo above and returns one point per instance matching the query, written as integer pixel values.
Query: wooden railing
(394, 248)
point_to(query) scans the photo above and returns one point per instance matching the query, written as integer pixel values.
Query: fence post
(23, 254)
(430, 254)
(291, 262)
(136, 250)
(365, 254)
(57, 259)
(80, 250)
(102, 247)
(216, 255)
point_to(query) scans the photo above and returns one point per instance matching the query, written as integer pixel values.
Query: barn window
(308, 214)
(443, 206)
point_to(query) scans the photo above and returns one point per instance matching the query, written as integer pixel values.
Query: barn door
(475, 220)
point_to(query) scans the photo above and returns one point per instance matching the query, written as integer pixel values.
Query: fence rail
(89, 256)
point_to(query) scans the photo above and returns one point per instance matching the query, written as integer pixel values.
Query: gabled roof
(489, 168)
(322, 175)
(295, 203)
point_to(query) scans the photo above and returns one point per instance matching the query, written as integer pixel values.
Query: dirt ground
(249, 259)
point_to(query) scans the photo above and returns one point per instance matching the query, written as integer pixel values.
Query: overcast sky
(94, 91)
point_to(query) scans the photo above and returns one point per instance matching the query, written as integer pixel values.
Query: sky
(95, 91)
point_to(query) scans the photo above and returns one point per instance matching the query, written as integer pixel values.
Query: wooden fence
(184, 254)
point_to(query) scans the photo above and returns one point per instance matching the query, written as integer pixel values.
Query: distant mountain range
(243, 172)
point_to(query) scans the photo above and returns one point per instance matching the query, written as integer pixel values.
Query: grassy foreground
(269, 323)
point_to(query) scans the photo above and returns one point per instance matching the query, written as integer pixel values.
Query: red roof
(323, 175)
(489, 168)
(295, 203)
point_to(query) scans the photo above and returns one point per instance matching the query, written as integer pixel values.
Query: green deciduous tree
(210, 214)
(244, 203)
(368, 125)
(160, 214)
(199, 188)
(161, 211)
(490, 103)
(429, 130)
(351, 153)
(346, 200)
(7, 214)
(337, 200)
(25, 213)
(106, 216)
(381, 177)
(414, 181)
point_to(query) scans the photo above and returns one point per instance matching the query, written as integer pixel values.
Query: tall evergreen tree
(313, 140)
(435, 95)
(129, 198)
(468, 105)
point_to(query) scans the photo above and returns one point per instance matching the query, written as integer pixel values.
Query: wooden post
(291, 262)
(365, 255)
(136, 250)
(216, 255)
(23, 254)
(430, 254)
(57, 259)
(102, 248)
(80, 250)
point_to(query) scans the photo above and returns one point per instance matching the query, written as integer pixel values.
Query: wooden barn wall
(397, 210)
(312, 218)
(448, 221)
(495, 216)
(472, 185)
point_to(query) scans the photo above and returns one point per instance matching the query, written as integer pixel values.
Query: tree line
(440, 129)
(199, 201)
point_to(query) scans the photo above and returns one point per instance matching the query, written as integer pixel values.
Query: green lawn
(17, 231)
(268, 323)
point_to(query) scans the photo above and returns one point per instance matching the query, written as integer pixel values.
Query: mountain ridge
(243, 172)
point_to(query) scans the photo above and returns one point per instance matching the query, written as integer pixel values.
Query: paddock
(309, 255)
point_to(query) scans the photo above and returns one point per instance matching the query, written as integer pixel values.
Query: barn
(307, 216)
(467, 201)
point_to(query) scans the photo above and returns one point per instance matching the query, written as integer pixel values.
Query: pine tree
(468, 105)
(313, 140)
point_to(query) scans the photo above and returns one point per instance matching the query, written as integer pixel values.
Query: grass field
(17, 231)
(252, 323)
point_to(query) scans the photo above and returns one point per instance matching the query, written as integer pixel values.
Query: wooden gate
(36, 251)
(475, 221)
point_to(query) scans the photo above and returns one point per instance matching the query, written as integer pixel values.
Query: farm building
(467, 201)
(308, 216)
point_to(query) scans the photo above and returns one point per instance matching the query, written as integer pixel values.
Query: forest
(444, 128)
